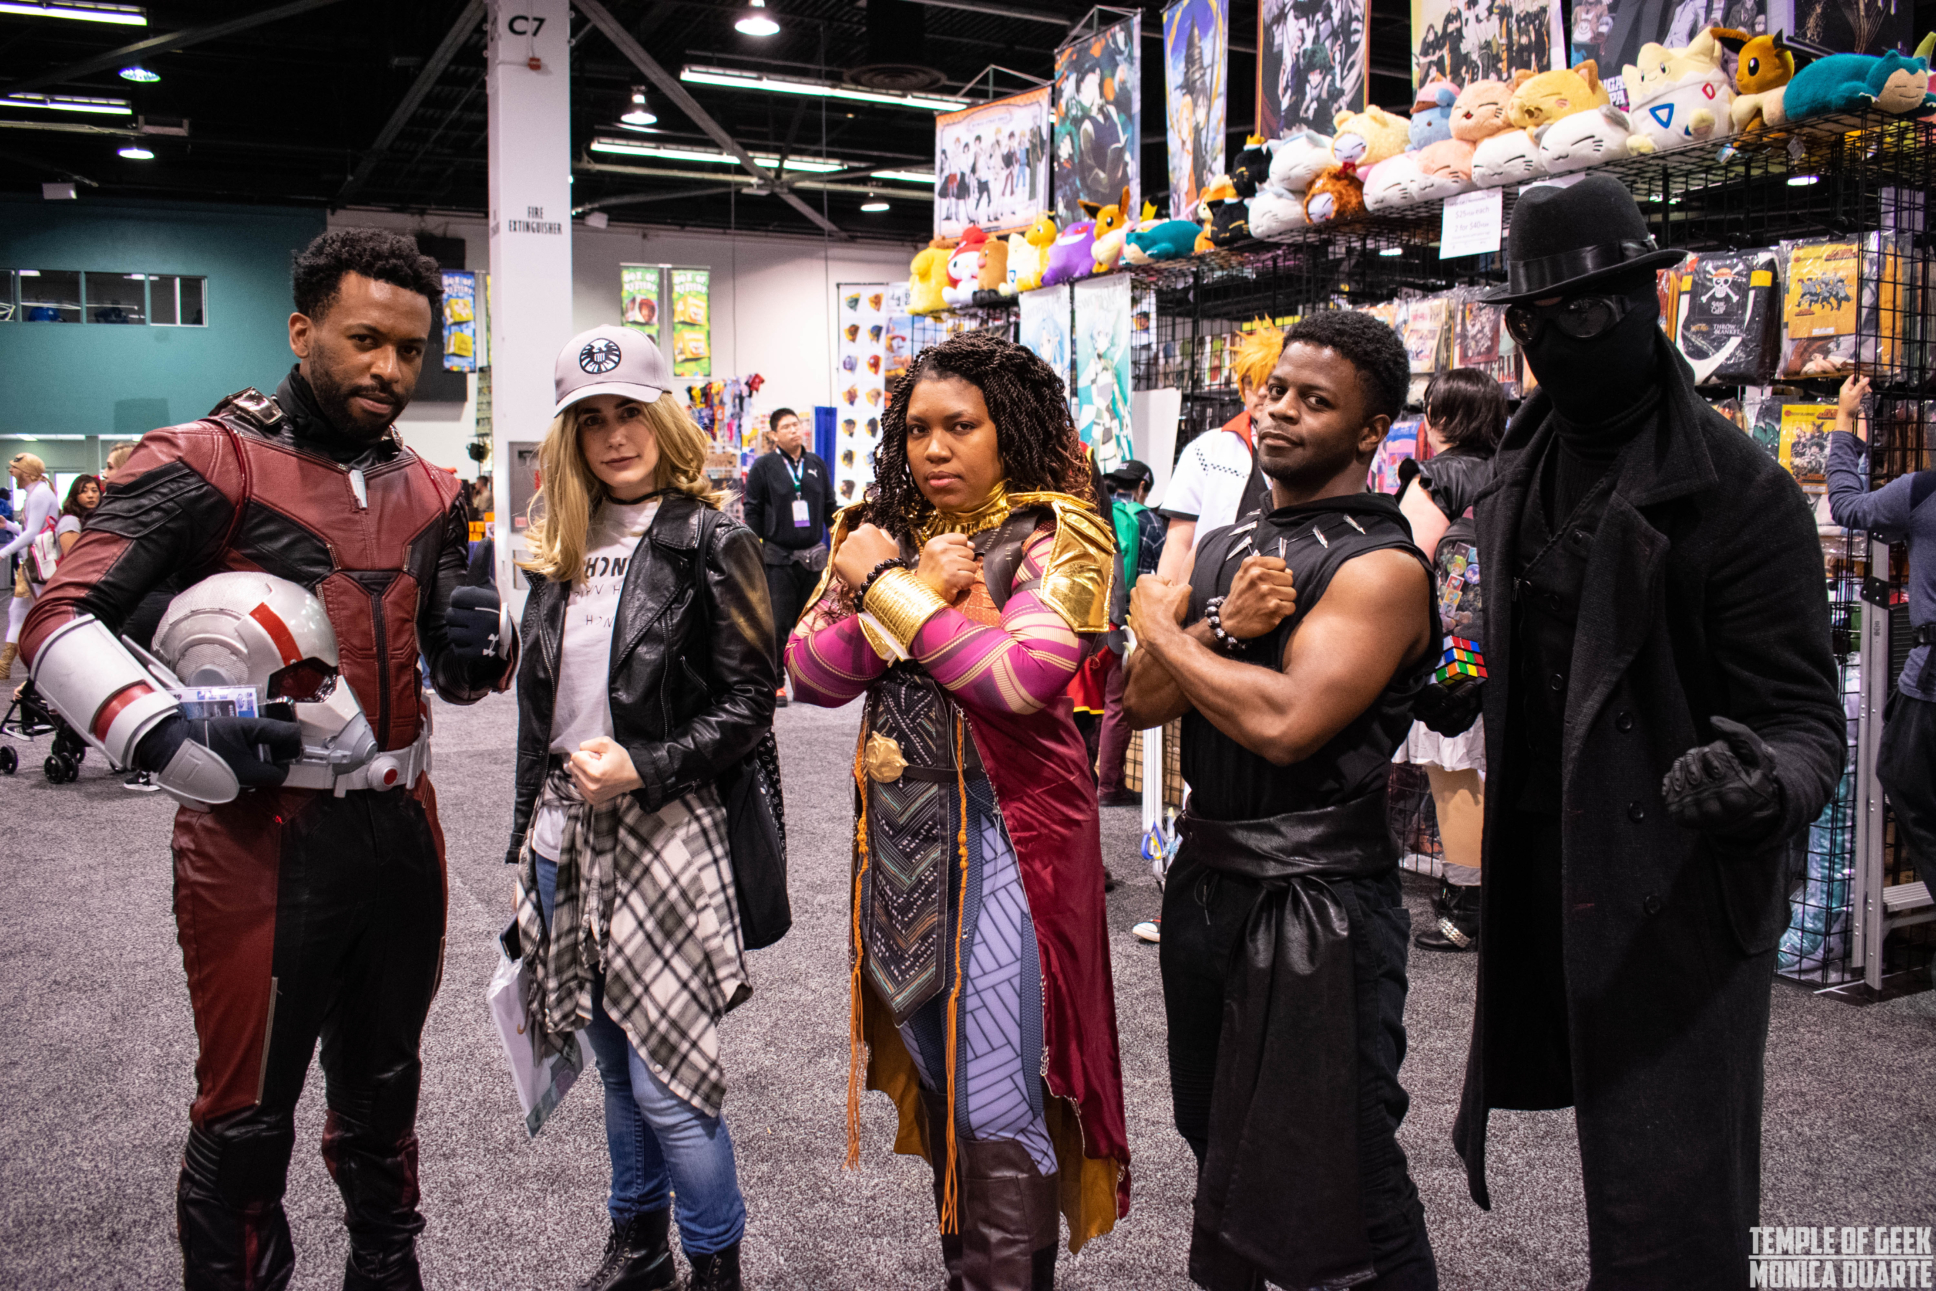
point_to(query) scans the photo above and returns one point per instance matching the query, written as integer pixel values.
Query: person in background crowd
(328, 906)
(626, 904)
(1139, 546)
(1294, 669)
(789, 500)
(83, 495)
(1662, 719)
(37, 512)
(982, 999)
(1216, 479)
(118, 457)
(1465, 414)
(1902, 510)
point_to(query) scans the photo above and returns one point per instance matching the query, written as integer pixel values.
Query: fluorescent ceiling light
(872, 207)
(68, 103)
(135, 152)
(736, 80)
(139, 74)
(673, 152)
(908, 176)
(1802, 181)
(123, 15)
(757, 22)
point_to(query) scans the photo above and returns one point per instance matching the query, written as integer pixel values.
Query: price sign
(1470, 224)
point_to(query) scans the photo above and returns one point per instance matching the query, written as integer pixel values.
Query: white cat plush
(1393, 182)
(1299, 159)
(1509, 157)
(1584, 139)
(1275, 214)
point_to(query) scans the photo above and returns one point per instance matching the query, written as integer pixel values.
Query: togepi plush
(1334, 195)
(1583, 139)
(1509, 157)
(1446, 168)
(1163, 240)
(1276, 214)
(1393, 182)
(929, 277)
(1480, 110)
(1677, 97)
(1762, 69)
(1299, 159)
(1432, 113)
(1366, 138)
(1551, 95)
(964, 266)
(1843, 82)
(1070, 255)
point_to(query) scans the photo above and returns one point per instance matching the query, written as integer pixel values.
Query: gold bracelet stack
(899, 602)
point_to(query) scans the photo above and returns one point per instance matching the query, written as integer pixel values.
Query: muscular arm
(1373, 619)
(1179, 550)
(1151, 696)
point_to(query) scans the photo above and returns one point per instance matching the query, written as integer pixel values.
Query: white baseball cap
(610, 360)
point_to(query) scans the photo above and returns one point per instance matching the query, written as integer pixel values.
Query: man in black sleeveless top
(1293, 657)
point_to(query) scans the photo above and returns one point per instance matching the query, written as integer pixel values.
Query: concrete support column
(530, 195)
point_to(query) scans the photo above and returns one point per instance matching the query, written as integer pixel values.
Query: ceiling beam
(670, 86)
(170, 42)
(447, 48)
(743, 182)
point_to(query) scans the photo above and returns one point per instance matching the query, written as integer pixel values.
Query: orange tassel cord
(857, 1045)
(950, 1197)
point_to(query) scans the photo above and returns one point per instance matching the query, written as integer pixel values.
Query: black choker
(632, 502)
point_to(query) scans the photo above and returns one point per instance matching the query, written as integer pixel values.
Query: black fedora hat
(1566, 238)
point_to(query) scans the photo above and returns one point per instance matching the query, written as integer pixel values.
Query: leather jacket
(1455, 478)
(693, 670)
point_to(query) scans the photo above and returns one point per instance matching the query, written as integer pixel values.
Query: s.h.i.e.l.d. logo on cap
(601, 355)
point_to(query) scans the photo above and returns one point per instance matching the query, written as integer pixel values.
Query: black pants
(1906, 766)
(303, 918)
(1203, 916)
(790, 585)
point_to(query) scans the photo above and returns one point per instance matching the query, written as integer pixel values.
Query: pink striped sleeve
(1017, 667)
(827, 657)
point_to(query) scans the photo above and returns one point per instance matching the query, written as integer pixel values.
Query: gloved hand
(1450, 710)
(1727, 788)
(258, 749)
(471, 623)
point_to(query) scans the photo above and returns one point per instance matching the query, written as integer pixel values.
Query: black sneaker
(779, 698)
(1457, 929)
(139, 782)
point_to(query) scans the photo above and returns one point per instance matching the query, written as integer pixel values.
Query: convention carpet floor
(97, 1053)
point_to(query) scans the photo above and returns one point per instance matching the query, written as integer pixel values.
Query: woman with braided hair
(959, 599)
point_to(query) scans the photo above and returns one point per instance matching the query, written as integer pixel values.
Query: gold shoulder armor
(1082, 561)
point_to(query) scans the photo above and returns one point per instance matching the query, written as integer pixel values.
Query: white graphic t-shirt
(583, 709)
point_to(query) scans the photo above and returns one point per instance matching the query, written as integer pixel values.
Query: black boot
(716, 1272)
(228, 1206)
(937, 1107)
(1457, 929)
(376, 1171)
(1009, 1218)
(638, 1255)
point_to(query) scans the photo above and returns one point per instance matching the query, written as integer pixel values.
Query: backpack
(44, 554)
(1129, 536)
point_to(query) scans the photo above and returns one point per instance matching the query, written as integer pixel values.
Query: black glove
(471, 624)
(258, 749)
(1727, 788)
(1450, 710)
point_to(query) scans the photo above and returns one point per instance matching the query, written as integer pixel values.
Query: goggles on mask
(1580, 317)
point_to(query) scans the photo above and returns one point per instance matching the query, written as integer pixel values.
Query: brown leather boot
(937, 1108)
(1009, 1220)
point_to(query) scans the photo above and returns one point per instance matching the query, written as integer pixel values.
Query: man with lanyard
(1216, 481)
(1293, 656)
(789, 495)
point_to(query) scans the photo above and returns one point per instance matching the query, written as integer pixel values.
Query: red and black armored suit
(303, 915)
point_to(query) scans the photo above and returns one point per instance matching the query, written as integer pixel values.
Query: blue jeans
(658, 1143)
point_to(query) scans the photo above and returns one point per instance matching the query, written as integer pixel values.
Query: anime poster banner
(860, 362)
(460, 321)
(1044, 326)
(1098, 119)
(1196, 57)
(1312, 60)
(991, 165)
(1611, 32)
(1487, 40)
(897, 343)
(638, 297)
(1101, 353)
(692, 350)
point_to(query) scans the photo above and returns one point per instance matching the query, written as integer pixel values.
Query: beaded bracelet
(1213, 615)
(867, 584)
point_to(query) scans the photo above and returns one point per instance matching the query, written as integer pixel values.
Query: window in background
(50, 295)
(177, 301)
(7, 311)
(117, 297)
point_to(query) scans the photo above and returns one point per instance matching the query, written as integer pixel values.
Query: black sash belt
(1279, 1191)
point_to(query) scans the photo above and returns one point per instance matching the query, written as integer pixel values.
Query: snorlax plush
(1165, 240)
(1844, 82)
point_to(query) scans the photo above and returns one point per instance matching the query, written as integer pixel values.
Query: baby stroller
(28, 717)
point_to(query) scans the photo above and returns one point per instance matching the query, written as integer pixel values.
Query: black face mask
(1594, 381)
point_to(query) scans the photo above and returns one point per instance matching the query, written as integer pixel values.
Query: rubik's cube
(1462, 659)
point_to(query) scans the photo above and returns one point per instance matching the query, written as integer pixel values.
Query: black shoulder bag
(755, 818)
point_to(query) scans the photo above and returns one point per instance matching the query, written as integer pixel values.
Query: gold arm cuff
(899, 603)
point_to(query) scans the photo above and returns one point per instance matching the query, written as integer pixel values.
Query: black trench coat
(1704, 596)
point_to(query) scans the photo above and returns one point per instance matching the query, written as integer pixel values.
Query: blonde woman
(37, 512)
(649, 671)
